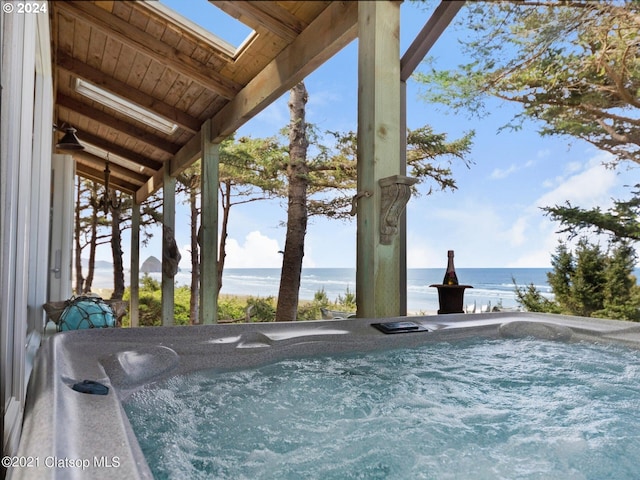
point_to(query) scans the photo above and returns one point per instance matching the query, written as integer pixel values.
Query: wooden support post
(134, 279)
(209, 228)
(402, 235)
(377, 272)
(168, 220)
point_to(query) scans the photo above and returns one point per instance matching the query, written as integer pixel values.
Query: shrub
(348, 302)
(231, 308)
(264, 309)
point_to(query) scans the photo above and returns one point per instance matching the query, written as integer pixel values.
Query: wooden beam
(402, 224)
(144, 163)
(334, 28)
(437, 23)
(120, 125)
(97, 176)
(81, 70)
(188, 154)
(153, 184)
(150, 46)
(209, 228)
(377, 262)
(134, 280)
(222, 49)
(116, 170)
(268, 15)
(168, 220)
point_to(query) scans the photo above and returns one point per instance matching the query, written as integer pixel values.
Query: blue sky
(493, 219)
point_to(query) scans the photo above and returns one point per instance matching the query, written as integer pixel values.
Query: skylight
(125, 107)
(212, 20)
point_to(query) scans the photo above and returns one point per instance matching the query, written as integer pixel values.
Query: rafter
(152, 185)
(187, 155)
(150, 46)
(267, 15)
(97, 176)
(122, 126)
(432, 30)
(81, 70)
(117, 171)
(143, 162)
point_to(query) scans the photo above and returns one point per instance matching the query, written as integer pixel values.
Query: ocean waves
(491, 286)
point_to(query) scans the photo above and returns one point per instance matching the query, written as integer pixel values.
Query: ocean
(491, 286)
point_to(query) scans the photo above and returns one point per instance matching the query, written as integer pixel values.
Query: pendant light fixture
(69, 141)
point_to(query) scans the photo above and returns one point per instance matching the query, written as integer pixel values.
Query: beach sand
(105, 293)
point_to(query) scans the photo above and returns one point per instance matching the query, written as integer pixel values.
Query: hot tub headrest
(541, 330)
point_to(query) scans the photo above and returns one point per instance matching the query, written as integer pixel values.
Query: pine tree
(621, 294)
(589, 282)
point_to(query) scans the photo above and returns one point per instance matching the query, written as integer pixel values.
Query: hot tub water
(482, 409)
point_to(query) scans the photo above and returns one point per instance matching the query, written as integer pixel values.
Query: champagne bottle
(450, 277)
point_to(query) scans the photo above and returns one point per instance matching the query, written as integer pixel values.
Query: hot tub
(69, 434)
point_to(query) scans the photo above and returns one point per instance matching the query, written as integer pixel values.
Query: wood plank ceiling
(139, 52)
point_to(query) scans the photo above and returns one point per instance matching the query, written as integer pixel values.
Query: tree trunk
(116, 249)
(93, 240)
(78, 257)
(194, 313)
(222, 249)
(297, 174)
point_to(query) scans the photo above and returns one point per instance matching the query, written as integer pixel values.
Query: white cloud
(500, 173)
(537, 253)
(517, 233)
(540, 258)
(421, 255)
(573, 167)
(185, 257)
(485, 233)
(322, 98)
(586, 188)
(307, 260)
(585, 185)
(257, 251)
(473, 228)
